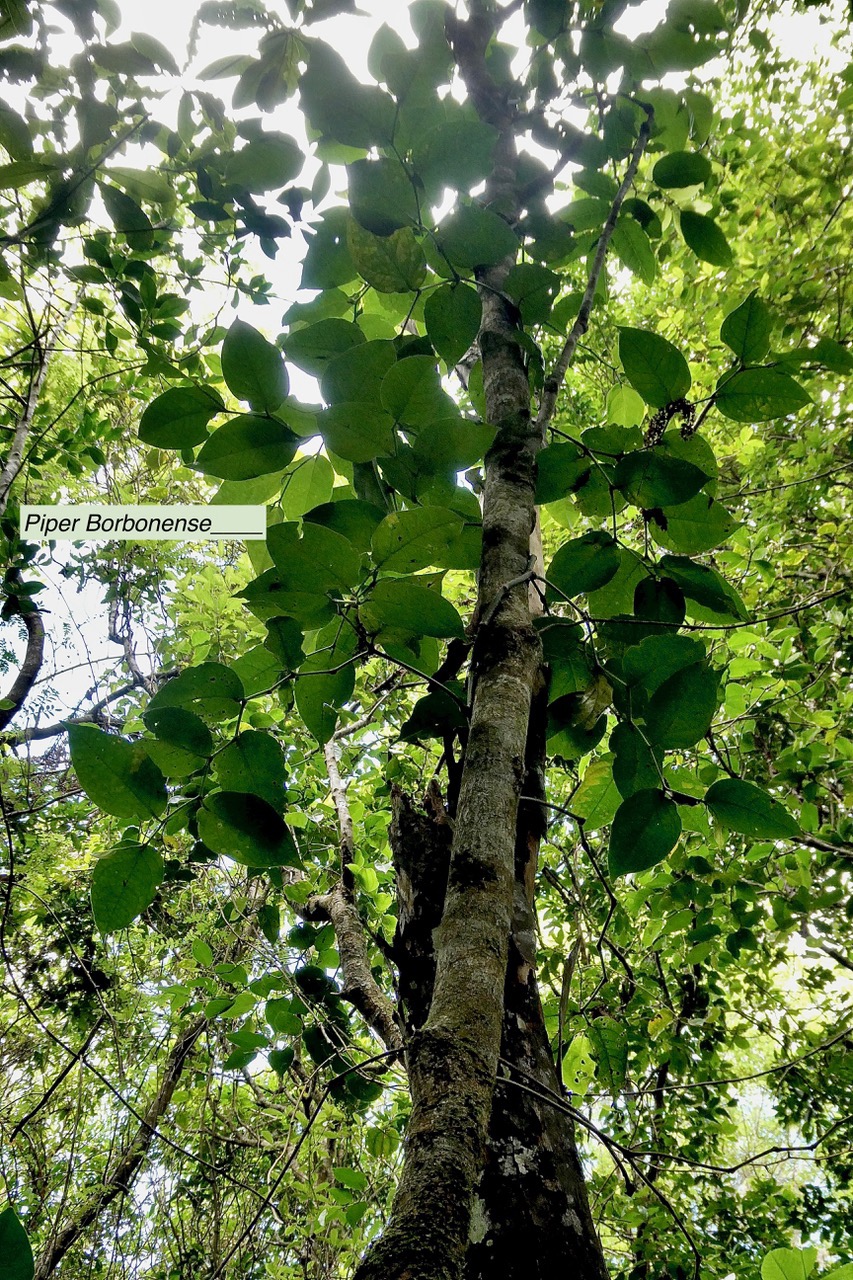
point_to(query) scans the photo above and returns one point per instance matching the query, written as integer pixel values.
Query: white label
(142, 524)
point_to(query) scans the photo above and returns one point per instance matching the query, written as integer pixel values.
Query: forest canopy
(457, 882)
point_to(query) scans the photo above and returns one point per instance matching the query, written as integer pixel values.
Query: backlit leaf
(124, 884)
(645, 829)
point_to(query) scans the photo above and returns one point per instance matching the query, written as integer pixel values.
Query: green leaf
(246, 447)
(745, 808)
(210, 689)
(695, 526)
(268, 161)
(178, 418)
(351, 518)
(758, 395)
(567, 657)
(584, 564)
(474, 237)
(337, 105)
(455, 153)
(706, 588)
(381, 196)
(788, 1264)
(645, 829)
(254, 369)
(280, 1060)
(407, 605)
(202, 953)
(320, 561)
(253, 763)
(609, 1041)
(448, 445)
(355, 375)
(314, 346)
(634, 249)
(127, 217)
(597, 798)
(22, 172)
(247, 829)
(560, 469)
(309, 483)
(653, 366)
(391, 264)
(634, 763)
(284, 641)
(651, 479)
(16, 1255)
(117, 775)
(682, 708)
(534, 288)
(452, 314)
(326, 681)
(658, 657)
(183, 740)
(704, 237)
(411, 391)
(681, 169)
(747, 329)
(406, 541)
(124, 884)
(154, 51)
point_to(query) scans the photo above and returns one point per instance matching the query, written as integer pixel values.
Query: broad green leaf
(596, 799)
(758, 395)
(210, 690)
(745, 808)
(381, 196)
(645, 829)
(391, 264)
(247, 447)
(624, 407)
(280, 1060)
(634, 250)
(617, 596)
(534, 289)
(124, 884)
(22, 172)
(456, 153)
(16, 1255)
(651, 479)
(658, 657)
(567, 657)
(247, 829)
(155, 51)
(450, 444)
(452, 314)
(314, 346)
(407, 605)
(326, 680)
(584, 564)
(578, 1066)
(353, 519)
(284, 641)
(706, 588)
(355, 375)
(695, 526)
(128, 217)
(327, 262)
(682, 708)
(337, 105)
(320, 560)
(308, 484)
(681, 169)
(406, 541)
(254, 369)
(653, 366)
(411, 391)
(178, 418)
(253, 763)
(659, 600)
(183, 740)
(704, 237)
(560, 469)
(747, 329)
(268, 161)
(474, 237)
(634, 764)
(202, 952)
(117, 775)
(609, 1041)
(788, 1264)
